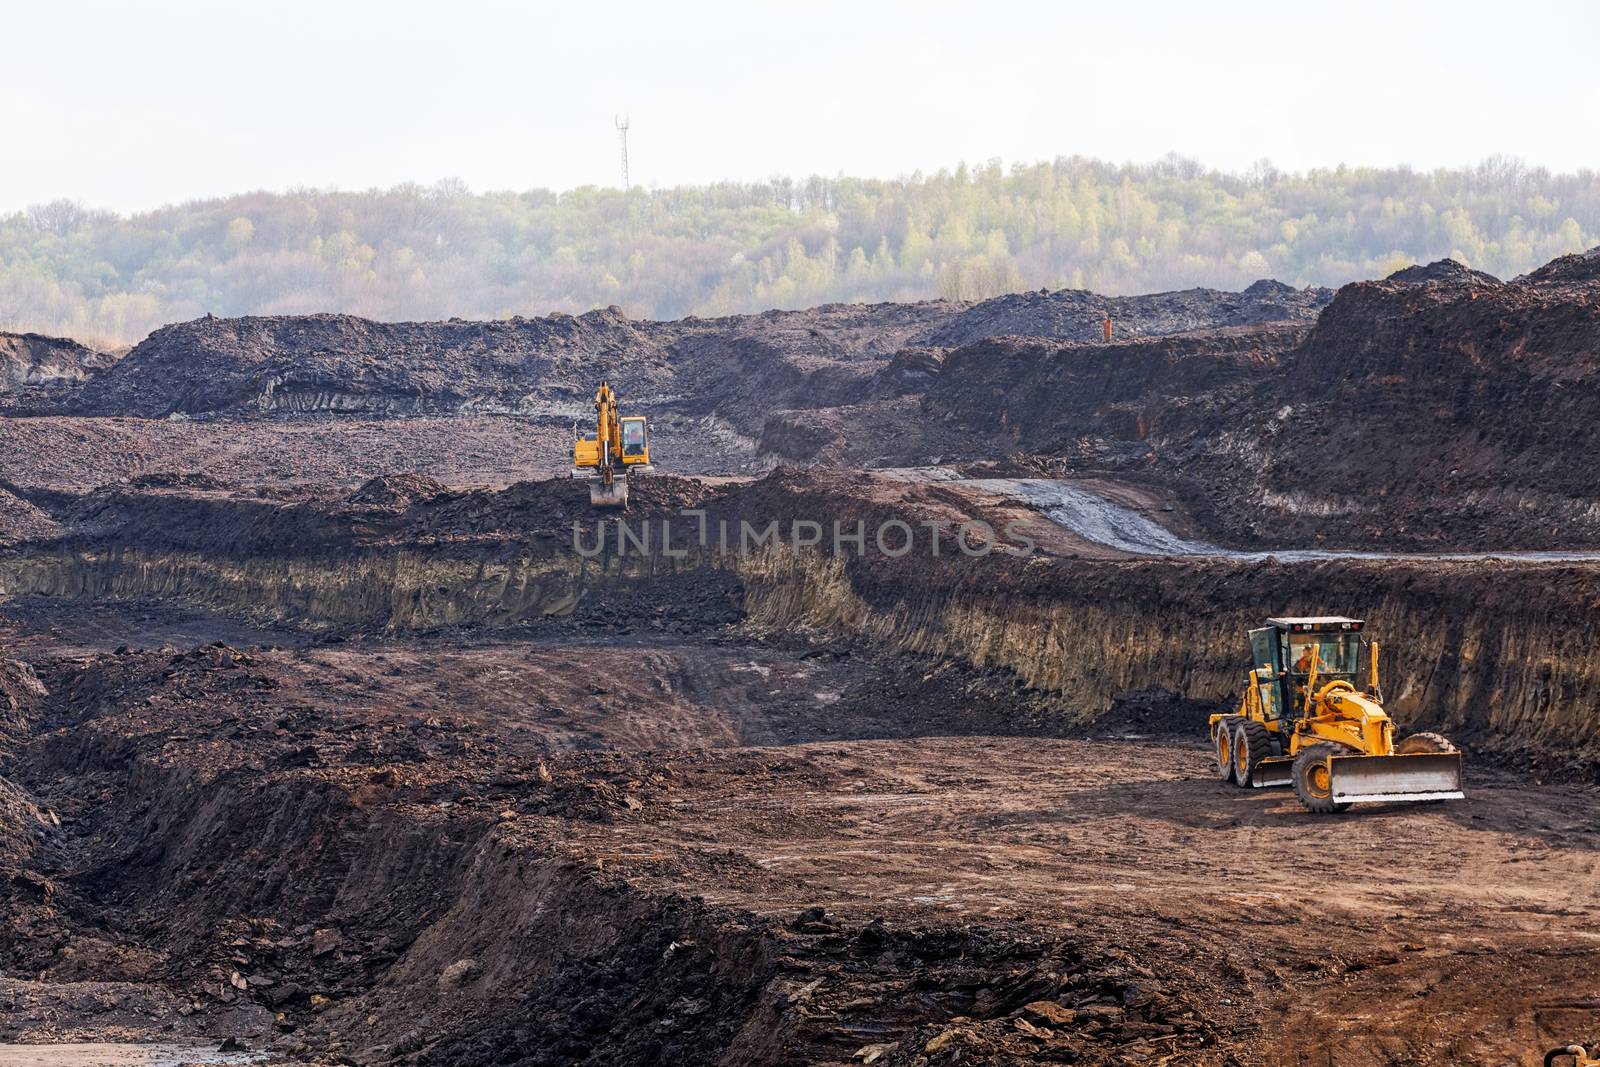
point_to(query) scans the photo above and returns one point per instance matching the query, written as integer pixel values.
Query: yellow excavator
(1576, 1054)
(618, 446)
(1303, 722)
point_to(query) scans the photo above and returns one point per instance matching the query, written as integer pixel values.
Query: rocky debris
(55, 1012)
(22, 520)
(825, 993)
(1078, 315)
(1577, 267)
(459, 973)
(39, 372)
(1443, 272)
(911, 370)
(396, 489)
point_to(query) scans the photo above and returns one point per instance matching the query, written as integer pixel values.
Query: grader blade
(1416, 777)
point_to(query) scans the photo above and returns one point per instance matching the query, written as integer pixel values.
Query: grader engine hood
(1418, 776)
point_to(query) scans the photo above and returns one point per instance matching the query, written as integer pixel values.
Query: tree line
(414, 252)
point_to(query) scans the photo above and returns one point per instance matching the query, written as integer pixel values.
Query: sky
(129, 106)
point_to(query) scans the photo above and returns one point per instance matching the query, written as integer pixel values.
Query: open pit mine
(338, 725)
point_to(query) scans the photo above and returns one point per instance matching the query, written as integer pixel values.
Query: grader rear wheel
(1252, 743)
(1225, 747)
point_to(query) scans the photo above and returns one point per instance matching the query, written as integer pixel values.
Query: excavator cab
(635, 441)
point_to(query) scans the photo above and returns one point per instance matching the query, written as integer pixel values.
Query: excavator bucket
(1418, 776)
(608, 494)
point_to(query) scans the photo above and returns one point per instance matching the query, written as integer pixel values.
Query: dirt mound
(1577, 267)
(740, 368)
(340, 363)
(34, 359)
(1461, 396)
(1444, 272)
(320, 524)
(912, 369)
(1077, 315)
(177, 480)
(21, 520)
(804, 436)
(548, 508)
(1043, 395)
(1467, 404)
(42, 372)
(396, 489)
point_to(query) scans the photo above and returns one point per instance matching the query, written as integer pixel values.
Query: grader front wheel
(1424, 742)
(1313, 780)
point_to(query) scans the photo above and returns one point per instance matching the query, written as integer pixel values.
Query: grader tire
(1252, 743)
(1313, 784)
(1420, 743)
(1224, 747)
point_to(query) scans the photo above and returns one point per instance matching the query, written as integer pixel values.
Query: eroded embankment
(1501, 655)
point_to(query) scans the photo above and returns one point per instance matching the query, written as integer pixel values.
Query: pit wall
(1503, 657)
(392, 590)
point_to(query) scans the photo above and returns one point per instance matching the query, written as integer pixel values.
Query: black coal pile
(1078, 315)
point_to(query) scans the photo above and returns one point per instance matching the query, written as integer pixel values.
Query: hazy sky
(132, 105)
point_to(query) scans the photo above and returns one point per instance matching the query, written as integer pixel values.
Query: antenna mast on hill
(622, 134)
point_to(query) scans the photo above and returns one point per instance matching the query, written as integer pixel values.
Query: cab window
(633, 437)
(1334, 654)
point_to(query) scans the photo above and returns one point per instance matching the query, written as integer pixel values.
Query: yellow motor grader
(619, 445)
(1302, 721)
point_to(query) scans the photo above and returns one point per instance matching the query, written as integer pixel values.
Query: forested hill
(441, 251)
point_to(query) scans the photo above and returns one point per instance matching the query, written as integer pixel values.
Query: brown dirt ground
(689, 769)
(1390, 934)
